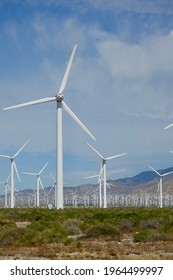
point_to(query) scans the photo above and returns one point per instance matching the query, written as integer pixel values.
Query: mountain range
(143, 183)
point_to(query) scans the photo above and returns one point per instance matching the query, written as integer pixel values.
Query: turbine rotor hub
(59, 98)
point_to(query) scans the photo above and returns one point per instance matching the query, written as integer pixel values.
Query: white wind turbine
(100, 181)
(59, 99)
(14, 167)
(103, 170)
(6, 190)
(160, 183)
(38, 182)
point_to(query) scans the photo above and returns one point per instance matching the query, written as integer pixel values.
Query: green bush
(103, 229)
(9, 234)
(144, 236)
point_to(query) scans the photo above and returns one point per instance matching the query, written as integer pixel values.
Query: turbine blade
(53, 177)
(166, 173)
(108, 185)
(8, 178)
(40, 183)
(17, 173)
(93, 176)
(4, 156)
(111, 185)
(16, 154)
(168, 126)
(171, 152)
(116, 156)
(43, 168)
(30, 103)
(65, 78)
(29, 173)
(76, 119)
(53, 186)
(17, 190)
(154, 170)
(95, 151)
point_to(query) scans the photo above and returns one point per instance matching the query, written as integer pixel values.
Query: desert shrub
(73, 230)
(72, 226)
(88, 215)
(9, 234)
(126, 225)
(150, 224)
(144, 236)
(168, 227)
(103, 229)
(100, 215)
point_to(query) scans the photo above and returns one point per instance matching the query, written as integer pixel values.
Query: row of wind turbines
(11, 177)
(60, 104)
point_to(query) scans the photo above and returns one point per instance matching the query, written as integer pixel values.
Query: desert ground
(83, 234)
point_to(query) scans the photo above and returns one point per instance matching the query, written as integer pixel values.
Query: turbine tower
(160, 183)
(103, 170)
(59, 99)
(6, 190)
(38, 182)
(14, 167)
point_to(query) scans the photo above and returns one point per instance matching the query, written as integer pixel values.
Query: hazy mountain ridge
(144, 177)
(145, 181)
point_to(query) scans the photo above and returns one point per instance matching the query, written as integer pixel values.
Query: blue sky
(120, 85)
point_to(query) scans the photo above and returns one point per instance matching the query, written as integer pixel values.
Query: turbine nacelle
(59, 97)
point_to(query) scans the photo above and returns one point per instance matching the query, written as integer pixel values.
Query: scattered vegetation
(75, 227)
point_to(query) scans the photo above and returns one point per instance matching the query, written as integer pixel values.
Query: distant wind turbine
(103, 169)
(160, 183)
(100, 181)
(14, 167)
(100, 185)
(59, 98)
(6, 190)
(38, 182)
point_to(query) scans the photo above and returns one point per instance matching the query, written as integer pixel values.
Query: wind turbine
(59, 98)
(38, 182)
(14, 167)
(103, 170)
(100, 181)
(6, 190)
(100, 185)
(160, 183)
